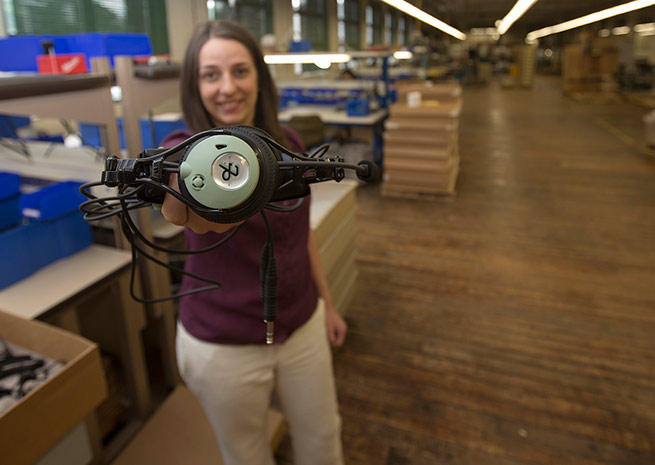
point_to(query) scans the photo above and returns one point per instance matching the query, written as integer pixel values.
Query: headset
(225, 175)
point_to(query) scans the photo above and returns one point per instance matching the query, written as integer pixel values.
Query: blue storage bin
(10, 213)
(90, 133)
(19, 53)
(100, 44)
(43, 244)
(15, 255)
(161, 128)
(300, 46)
(9, 124)
(358, 107)
(74, 233)
(57, 227)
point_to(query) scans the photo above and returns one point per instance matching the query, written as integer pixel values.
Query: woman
(221, 347)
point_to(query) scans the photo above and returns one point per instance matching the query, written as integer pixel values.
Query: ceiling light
(620, 31)
(591, 18)
(519, 8)
(483, 31)
(645, 28)
(421, 15)
(402, 55)
(604, 33)
(322, 60)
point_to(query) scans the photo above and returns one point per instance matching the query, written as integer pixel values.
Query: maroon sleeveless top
(234, 313)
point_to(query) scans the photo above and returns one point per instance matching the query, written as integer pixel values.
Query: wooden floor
(513, 324)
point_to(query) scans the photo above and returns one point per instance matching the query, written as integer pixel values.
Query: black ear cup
(265, 178)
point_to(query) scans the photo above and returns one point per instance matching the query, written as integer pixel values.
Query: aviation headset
(225, 175)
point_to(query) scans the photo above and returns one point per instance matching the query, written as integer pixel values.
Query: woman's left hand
(336, 326)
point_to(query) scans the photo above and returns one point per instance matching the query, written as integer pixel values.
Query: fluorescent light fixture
(604, 33)
(644, 29)
(519, 8)
(483, 31)
(322, 60)
(590, 18)
(421, 15)
(402, 55)
(620, 31)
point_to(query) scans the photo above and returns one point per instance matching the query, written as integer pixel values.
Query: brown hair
(196, 115)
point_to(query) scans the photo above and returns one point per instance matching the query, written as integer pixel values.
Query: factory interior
(482, 210)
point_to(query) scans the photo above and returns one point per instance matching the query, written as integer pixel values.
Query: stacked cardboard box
(421, 153)
(332, 218)
(446, 92)
(592, 70)
(160, 441)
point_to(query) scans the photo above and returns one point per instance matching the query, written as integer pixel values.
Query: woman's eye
(241, 72)
(209, 76)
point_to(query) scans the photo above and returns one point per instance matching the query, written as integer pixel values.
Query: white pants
(234, 384)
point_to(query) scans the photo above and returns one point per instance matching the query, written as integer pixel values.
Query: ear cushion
(266, 184)
(251, 130)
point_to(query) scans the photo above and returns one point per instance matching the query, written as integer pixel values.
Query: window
(348, 25)
(394, 29)
(409, 30)
(310, 22)
(373, 25)
(401, 31)
(388, 39)
(254, 15)
(79, 16)
(369, 25)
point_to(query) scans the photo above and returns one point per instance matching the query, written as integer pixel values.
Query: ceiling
(467, 14)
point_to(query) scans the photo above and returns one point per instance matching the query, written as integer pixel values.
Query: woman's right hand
(176, 212)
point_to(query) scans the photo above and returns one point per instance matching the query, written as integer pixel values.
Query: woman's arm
(176, 212)
(336, 326)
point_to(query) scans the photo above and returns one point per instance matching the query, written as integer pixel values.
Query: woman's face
(227, 81)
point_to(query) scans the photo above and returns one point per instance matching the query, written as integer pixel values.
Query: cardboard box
(447, 92)
(401, 138)
(50, 411)
(421, 123)
(422, 167)
(419, 152)
(179, 433)
(429, 109)
(399, 184)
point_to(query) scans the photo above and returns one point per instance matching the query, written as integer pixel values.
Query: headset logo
(227, 171)
(230, 170)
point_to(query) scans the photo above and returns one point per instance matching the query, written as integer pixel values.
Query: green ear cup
(220, 171)
(232, 174)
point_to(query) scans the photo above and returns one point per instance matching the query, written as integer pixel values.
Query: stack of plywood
(421, 153)
(332, 218)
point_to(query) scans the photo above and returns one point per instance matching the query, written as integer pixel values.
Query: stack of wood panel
(421, 154)
(332, 219)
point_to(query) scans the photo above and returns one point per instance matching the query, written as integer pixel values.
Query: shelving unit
(70, 290)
